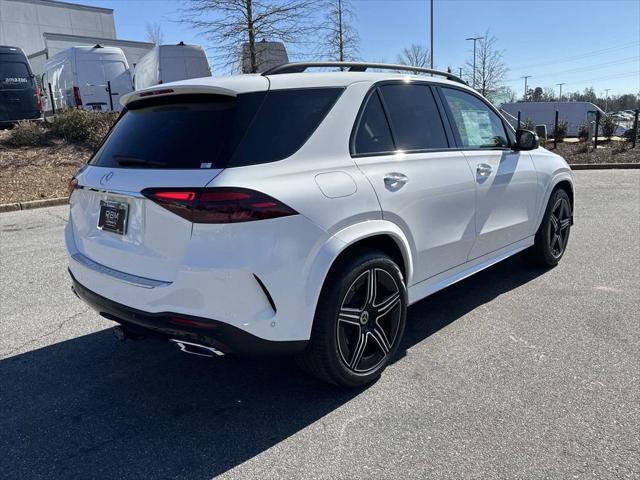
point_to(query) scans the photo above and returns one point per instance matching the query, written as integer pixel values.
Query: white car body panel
(446, 223)
(506, 199)
(440, 191)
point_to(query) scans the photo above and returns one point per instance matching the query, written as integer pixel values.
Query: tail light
(39, 97)
(218, 205)
(73, 183)
(76, 96)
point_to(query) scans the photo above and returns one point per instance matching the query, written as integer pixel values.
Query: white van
(170, 63)
(79, 76)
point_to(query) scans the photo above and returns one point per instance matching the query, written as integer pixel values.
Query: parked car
(80, 76)
(170, 63)
(19, 94)
(301, 213)
(544, 113)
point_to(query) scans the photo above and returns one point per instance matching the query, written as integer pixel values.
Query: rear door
(423, 184)
(172, 143)
(93, 73)
(18, 99)
(505, 179)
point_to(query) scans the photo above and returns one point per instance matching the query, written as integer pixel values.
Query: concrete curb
(603, 166)
(49, 202)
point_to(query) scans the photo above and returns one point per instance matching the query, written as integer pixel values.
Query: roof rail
(298, 67)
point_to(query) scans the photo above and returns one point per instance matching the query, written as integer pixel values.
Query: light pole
(525, 86)
(606, 100)
(475, 39)
(560, 85)
(432, 34)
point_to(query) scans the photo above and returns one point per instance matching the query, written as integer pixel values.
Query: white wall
(23, 22)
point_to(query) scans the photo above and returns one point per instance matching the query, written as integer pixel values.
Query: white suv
(302, 212)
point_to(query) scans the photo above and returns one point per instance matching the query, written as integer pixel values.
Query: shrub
(27, 134)
(619, 147)
(629, 134)
(82, 127)
(560, 132)
(608, 125)
(583, 147)
(529, 124)
(583, 131)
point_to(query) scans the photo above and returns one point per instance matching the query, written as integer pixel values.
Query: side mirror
(526, 140)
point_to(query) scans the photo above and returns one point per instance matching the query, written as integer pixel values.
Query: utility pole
(560, 85)
(460, 72)
(341, 39)
(606, 100)
(432, 34)
(525, 86)
(475, 39)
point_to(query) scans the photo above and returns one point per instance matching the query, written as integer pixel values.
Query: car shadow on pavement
(91, 407)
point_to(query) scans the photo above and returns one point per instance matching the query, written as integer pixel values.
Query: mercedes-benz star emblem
(106, 177)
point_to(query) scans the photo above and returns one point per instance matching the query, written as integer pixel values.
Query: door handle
(395, 181)
(484, 170)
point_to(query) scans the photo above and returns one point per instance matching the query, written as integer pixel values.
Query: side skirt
(431, 285)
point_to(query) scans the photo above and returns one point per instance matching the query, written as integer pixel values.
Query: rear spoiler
(168, 90)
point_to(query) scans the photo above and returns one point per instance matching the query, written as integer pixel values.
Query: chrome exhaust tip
(196, 349)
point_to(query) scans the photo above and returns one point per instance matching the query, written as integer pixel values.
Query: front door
(506, 180)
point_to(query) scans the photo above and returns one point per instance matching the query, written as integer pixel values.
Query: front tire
(553, 235)
(359, 322)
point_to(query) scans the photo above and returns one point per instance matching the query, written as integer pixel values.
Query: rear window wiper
(126, 160)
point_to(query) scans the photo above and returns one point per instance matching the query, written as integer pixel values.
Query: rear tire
(359, 321)
(553, 235)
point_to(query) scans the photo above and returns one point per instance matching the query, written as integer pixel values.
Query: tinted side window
(284, 122)
(477, 124)
(414, 117)
(373, 134)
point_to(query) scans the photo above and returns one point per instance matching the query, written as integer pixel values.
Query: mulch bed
(36, 173)
(606, 153)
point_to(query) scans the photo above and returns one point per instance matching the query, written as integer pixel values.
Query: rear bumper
(219, 335)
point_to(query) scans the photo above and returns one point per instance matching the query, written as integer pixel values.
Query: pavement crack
(57, 328)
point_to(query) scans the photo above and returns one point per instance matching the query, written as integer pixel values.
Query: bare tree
(228, 24)
(342, 40)
(490, 67)
(154, 33)
(549, 94)
(416, 56)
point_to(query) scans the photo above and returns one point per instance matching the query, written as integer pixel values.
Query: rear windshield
(14, 75)
(208, 131)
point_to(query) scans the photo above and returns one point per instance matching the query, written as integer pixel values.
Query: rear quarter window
(283, 124)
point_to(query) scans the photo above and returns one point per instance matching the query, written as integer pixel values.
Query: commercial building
(43, 28)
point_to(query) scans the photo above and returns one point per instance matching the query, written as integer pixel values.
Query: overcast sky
(579, 42)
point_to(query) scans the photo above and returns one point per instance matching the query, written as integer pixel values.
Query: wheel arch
(374, 234)
(567, 186)
(562, 179)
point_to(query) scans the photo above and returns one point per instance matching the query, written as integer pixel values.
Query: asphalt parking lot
(514, 373)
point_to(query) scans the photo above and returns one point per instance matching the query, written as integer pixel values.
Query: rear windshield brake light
(156, 92)
(219, 205)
